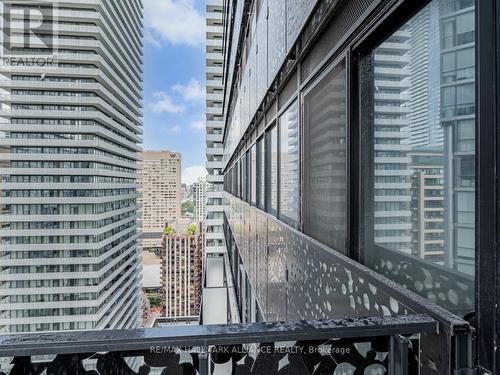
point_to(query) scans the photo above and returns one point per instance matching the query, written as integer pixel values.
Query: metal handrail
(76, 342)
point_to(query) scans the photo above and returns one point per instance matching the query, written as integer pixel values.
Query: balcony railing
(294, 277)
(349, 346)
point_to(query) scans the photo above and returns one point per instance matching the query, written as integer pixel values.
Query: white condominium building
(392, 183)
(214, 92)
(199, 199)
(70, 125)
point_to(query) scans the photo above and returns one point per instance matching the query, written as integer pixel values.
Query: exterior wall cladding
(316, 168)
(69, 149)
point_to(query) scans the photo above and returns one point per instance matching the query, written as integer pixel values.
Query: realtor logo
(28, 29)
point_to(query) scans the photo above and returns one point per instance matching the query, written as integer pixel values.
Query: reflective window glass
(289, 164)
(419, 159)
(325, 178)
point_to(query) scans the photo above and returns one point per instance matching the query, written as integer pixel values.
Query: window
(465, 171)
(239, 174)
(428, 146)
(465, 208)
(458, 65)
(248, 177)
(272, 170)
(466, 133)
(465, 28)
(261, 170)
(244, 179)
(253, 174)
(324, 201)
(289, 164)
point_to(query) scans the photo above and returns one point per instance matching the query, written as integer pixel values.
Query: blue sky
(174, 88)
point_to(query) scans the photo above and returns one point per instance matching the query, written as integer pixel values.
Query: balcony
(215, 178)
(215, 194)
(214, 3)
(214, 111)
(214, 18)
(214, 97)
(214, 69)
(214, 151)
(368, 345)
(294, 277)
(213, 222)
(214, 83)
(215, 248)
(214, 43)
(214, 29)
(214, 124)
(214, 165)
(215, 207)
(213, 138)
(214, 236)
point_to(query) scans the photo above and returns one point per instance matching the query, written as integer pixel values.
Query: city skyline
(174, 103)
(272, 186)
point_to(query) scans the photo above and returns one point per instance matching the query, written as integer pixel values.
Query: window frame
(252, 153)
(305, 88)
(293, 100)
(268, 192)
(261, 167)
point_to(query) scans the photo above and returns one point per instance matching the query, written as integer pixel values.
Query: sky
(174, 81)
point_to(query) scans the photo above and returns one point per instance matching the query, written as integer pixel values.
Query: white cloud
(173, 129)
(197, 125)
(149, 38)
(190, 174)
(165, 104)
(193, 91)
(174, 21)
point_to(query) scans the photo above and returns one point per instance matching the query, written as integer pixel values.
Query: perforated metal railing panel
(369, 346)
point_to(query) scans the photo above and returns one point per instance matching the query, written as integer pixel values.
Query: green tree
(187, 207)
(154, 300)
(169, 231)
(192, 228)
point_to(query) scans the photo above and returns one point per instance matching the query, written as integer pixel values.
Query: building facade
(181, 269)
(214, 127)
(160, 194)
(70, 127)
(458, 120)
(286, 149)
(427, 203)
(356, 137)
(199, 199)
(425, 62)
